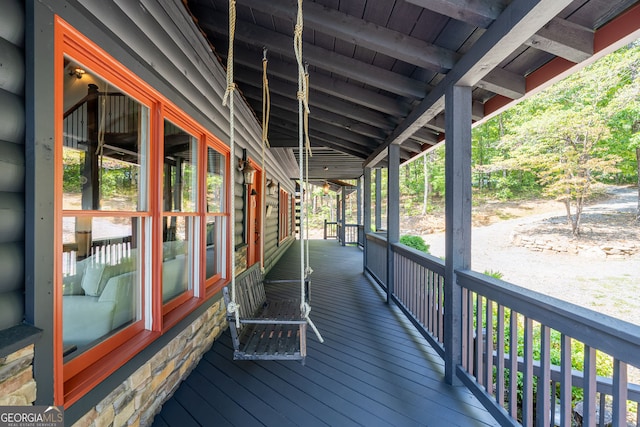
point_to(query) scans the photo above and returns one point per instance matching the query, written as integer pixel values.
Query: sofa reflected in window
(100, 298)
(175, 280)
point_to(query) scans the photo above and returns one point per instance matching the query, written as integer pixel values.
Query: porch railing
(330, 229)
(108, 251)
(353, 233)
(533, 381)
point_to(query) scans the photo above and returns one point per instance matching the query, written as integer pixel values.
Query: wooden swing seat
(269, 329)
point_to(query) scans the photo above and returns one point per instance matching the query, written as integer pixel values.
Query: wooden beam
(519, 21)
(559, 37)
(615, 34)
(327, 85)
(383, 40)
(564, 39)
(317, 99)
(321, 58)
(282, 106)
(362, 33)
(480, 13)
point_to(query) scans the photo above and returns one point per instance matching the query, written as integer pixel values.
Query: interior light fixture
(78, 72)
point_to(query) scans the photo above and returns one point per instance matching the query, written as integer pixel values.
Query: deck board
(373, 368)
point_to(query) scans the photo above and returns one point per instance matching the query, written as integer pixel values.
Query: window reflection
(101, 271)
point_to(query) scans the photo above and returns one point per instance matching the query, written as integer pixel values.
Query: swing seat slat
(269, 329)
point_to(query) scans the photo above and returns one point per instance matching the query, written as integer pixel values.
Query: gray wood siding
(12, 158)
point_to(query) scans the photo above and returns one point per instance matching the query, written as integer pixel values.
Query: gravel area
(608, 284)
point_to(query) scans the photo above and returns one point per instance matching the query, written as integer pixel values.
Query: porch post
(366, 220)
(378, 213)
(393, 211)
(359, 202)
(343, 209)
(457, 219)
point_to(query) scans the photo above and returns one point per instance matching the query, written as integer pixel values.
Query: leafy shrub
(415, 242)
(494, 274)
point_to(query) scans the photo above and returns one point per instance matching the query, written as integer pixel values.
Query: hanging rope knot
(309, 270)
(228, 93)
(234, 309)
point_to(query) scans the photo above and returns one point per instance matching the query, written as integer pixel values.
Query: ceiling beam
(519, 21)
(559, 37)
(564, 39)
(327, 85)
(287, 106)
(479, 13)
(317, 139)
(291, 123)
(319, 57)
(319, 100)
(389, 42)
(362, 33)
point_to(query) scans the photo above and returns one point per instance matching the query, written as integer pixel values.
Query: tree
(624, 104)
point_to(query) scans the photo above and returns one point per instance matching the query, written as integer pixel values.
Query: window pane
(215, 181)
(180, 170)
(101, 278)
(214, 249)
(176, 256)
(105, 139)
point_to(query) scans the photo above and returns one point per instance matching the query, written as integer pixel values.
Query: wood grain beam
(327, 85)
(519, 21)
(319, 57)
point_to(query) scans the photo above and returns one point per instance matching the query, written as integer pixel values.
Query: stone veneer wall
(138, 399)
(17, 386)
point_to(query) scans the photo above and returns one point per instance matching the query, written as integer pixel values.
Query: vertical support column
(393, 211)
(343, 214)
(378, 213)
(457, 219)
(366, 220)
(359, 202)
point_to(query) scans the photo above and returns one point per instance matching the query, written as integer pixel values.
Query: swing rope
(266, 102)
(233, 307)
(303, 148)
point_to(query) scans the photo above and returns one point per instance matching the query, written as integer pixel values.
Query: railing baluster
(488, 347)
(619, 393)
(589, 401)
(565, 384)
(527, 374)
(465, 330)
(478, 341)
(513, 364)
(500, 356)
(543, 404)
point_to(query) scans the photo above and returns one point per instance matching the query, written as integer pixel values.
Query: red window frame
(76, 377)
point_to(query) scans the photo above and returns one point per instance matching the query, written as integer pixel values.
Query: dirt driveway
(608, 284)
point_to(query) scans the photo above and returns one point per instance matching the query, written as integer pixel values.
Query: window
(215, 219)
(142, 215)
(179, 201)
(283, 209)
(104, 209)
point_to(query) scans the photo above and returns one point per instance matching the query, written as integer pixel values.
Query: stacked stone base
(17, 386)
(138, 399)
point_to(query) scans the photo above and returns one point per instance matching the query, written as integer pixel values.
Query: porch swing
(261, 328)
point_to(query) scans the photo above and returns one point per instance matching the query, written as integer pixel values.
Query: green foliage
(494, 274)
(415, 242)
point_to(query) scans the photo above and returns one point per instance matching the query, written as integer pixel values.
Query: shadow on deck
(373, 368)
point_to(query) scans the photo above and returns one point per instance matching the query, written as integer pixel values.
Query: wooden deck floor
(373, 368)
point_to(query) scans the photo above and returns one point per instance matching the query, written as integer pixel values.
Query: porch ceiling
(379, 68)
